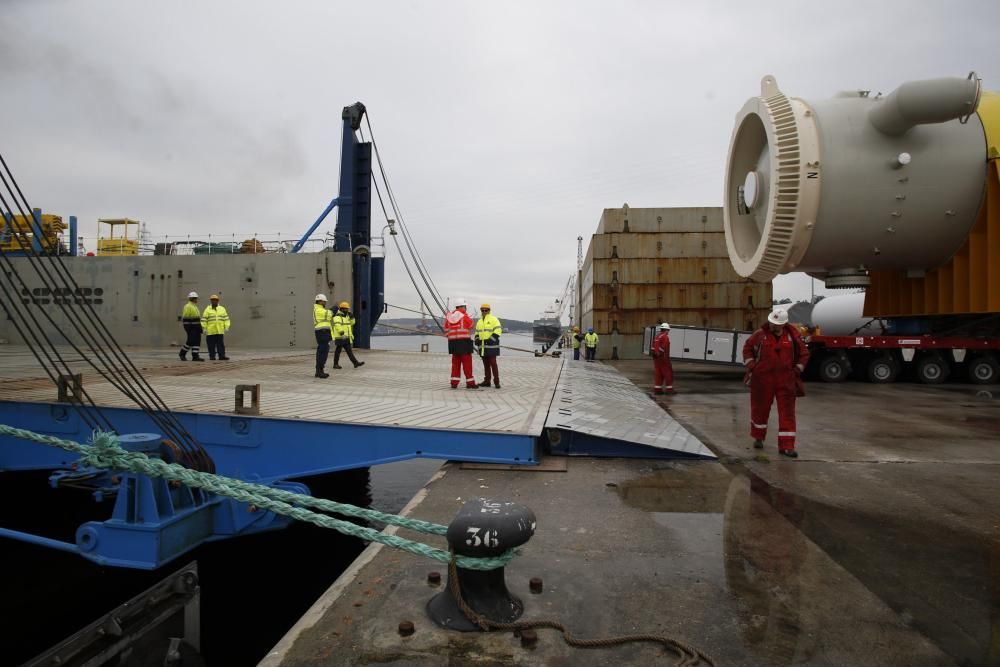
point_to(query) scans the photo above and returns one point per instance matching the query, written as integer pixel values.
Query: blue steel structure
(353, 231)
(154, 523)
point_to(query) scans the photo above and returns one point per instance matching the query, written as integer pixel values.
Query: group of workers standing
(587, 341)
(337, 327)
(213, 322)
(464, 337)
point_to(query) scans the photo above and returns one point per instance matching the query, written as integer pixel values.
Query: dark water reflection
(813, 583)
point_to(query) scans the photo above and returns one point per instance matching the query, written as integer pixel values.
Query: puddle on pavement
(816, 584)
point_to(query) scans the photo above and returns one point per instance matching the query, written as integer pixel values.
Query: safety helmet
(320, 297)
(778, 316)
(484, 306)
(461, 303)
(590, 329)
(344, 305)
(214, 297)
(192, 295)
(665, 326)
(576, 328)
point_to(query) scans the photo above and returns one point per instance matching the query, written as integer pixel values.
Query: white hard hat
(778, 316)
(192, 295)
(461, 302)
(665, 326)
(320, 297)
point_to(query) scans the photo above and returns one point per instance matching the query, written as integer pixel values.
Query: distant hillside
(414, 322)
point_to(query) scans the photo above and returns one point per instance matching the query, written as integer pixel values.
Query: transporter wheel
(882, 369)
(832, 369)
(983, 370)
(932, 369)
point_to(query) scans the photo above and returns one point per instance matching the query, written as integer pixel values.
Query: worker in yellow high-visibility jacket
(215, 322)
(343, 334)
(322, 322)
(488, 330)
(191, 319)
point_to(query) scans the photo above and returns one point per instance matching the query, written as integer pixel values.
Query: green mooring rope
(104, 452)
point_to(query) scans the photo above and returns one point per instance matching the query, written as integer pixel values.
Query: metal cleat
(482, 528)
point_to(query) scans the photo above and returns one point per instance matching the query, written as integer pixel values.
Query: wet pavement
(877, 547)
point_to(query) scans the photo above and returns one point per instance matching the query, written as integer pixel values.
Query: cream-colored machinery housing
(855, 183)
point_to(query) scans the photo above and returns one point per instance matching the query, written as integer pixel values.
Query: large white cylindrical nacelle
(857, 182)
(842, 315)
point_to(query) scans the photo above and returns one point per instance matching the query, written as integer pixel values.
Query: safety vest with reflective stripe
(215, 320)
(321, 317)
(576, 341)
(343, 326)
(190, 314)
(457, 325)
(590, 340)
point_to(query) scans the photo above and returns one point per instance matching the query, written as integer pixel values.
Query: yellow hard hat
(214, 296)
(576, 328)
(484, 306)
(344, 304)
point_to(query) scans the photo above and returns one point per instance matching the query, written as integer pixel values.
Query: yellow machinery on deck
(17, 232)
(122, 238)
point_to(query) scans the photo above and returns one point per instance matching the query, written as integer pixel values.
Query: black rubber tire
(983, 369)
(932, 369)
(882, 369)
(832, 369)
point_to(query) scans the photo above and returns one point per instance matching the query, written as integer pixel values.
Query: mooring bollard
(482, 528)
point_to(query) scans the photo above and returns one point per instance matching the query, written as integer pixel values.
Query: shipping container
(645, 266)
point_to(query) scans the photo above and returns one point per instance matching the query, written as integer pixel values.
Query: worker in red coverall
(774, 356)
(458, 329)
(663, 371)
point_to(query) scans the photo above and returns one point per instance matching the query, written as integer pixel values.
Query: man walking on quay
(590, 341)
(577, 341)
(488, 332)
(322, 320)
(663, 370)
(343, 335)
(191, 319)
(458, 327)
(774, 356)
(215, 322)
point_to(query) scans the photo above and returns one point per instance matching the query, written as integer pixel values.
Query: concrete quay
(877, 547)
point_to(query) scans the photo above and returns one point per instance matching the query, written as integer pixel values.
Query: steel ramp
(597, 411)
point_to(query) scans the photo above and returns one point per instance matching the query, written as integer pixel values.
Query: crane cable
(97, 336)
(402, 257)
(411, 245)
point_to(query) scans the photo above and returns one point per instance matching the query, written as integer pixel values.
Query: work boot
(337, 367)
(758, 444)
(485, 383)
(497, 384)
(183, 355)
(360, 363)
(197, 358)
(790, 453)
(223, 358)
(472, 386)
(321, 374)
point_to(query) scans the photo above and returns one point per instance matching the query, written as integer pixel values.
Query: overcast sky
(506, 127)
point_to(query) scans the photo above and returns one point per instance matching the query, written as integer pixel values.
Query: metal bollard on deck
(482, 528)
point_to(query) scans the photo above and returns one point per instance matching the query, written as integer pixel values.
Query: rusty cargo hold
(649, 265)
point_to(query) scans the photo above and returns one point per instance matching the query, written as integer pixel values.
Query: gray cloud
(506, 127)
